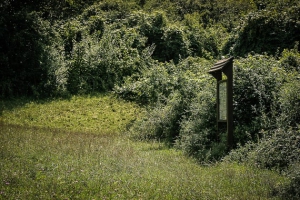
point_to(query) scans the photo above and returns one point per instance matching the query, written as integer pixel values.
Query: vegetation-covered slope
(157, 53)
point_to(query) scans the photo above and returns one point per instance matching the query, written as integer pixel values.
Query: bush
(289, 102)
(257, 81)
(204, 42)
(175, 44)
(182, 99)
(161, 122)
(153, 85)
(291, 190)
(266, 31)
(290, 59)
(98, 56)
(278, 150)
(24, 69)
(198, 136)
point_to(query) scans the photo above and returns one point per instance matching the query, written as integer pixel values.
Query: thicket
(158, 54)
(266, 30)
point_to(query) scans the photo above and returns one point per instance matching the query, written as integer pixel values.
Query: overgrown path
(78, 149)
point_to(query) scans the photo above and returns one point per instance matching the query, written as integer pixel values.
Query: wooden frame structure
(224, 96)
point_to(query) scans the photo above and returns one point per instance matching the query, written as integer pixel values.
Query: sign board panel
(223, 100)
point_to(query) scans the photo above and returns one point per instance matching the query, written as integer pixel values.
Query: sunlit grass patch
(54, 164)
(98, 114)
(49, 151)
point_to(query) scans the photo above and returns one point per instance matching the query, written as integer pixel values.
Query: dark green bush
(204, 42)
(198, 136)
(291, 190)
(23, 60)
(278, 150)
(153, 85)
(175, 44)
(100, 65)
(257, 81)
(289, 102)
(290, 59)
(266, 31)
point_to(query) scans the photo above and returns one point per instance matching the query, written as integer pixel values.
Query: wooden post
(225, 66)
(229, 73)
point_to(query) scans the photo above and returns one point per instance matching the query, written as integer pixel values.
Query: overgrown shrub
(98, 55)
(291, 190)
(289, 102)
(257, 82)
(198, 136)
(204, 42)
(161, 122)
(175, 44)
(182, 99)
(266, 30)
(290, 59)
(153, 85)
(23, 60)
(278, 150)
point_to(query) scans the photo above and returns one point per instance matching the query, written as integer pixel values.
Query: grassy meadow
(77, 148)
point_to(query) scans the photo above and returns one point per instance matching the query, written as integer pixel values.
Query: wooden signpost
(224, 95)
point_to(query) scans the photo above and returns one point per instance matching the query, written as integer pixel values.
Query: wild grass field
(77, 148)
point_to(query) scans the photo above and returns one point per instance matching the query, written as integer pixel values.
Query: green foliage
(289, 100)
(291, 190)
(198, 136)
(290, 59)
(197, 132)
(175, 41)
(278, 150)
(204, 43)
(266, 31)
(154, 84)
(175, 44)
(160, 122)
(23, 72)
(98, 56)
(152, 27)
(182, 99)
(257, 81)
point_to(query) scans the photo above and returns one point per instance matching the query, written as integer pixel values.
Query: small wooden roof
(220, 65)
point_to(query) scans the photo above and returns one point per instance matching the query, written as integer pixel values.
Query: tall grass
(39, 161)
